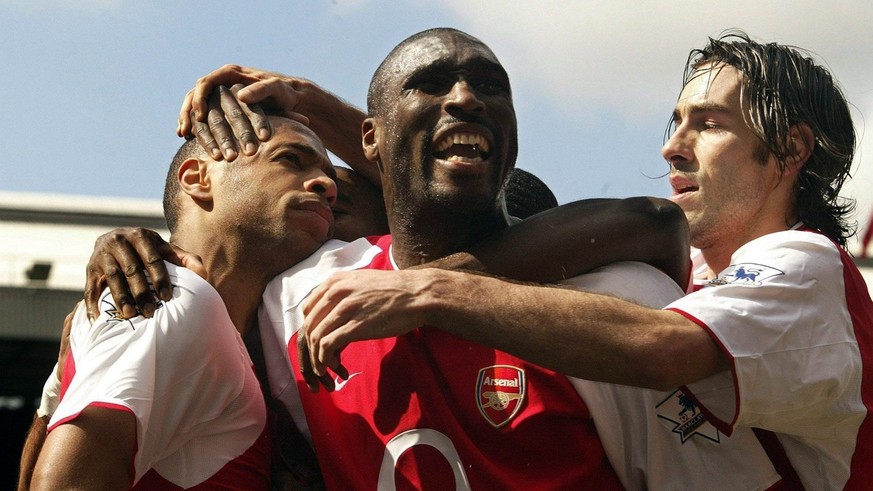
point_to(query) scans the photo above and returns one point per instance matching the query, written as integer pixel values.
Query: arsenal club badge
(500, 393)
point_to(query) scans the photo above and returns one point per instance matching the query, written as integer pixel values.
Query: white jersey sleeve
(658, 440)
(184, 374)
(780, 315)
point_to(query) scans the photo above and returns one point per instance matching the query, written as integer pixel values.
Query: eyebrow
(308, 150)
(693, 109)
(442, 65)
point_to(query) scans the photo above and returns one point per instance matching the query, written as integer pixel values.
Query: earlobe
(194, 180)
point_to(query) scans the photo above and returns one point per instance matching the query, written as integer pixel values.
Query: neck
(233, 272)
(718, 255)
(419, 238)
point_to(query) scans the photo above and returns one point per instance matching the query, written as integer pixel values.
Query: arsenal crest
(500, 393)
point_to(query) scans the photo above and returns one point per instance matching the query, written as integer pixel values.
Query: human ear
(369, 137)
(194, 180)
(801, 143)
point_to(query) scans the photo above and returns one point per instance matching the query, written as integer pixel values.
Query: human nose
(463, 97)
(677, 149)
(323, 185)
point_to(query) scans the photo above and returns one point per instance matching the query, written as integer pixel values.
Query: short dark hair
(376, 93)
(190, 148)
(784, 87)
(527, 194)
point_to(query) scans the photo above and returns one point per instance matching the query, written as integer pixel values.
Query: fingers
(298, 117)
(216, 118)
(241, 118)
(328, 328)
(183, 128)
(215, 134)
(95, 282)
(121, 258)
(313, 314)
(253, 120)
(104, 265)
(229, 120)
(195, 106)
(152, 249)
(201, 131)
(276, 95)
(312, 380)
(187, 260)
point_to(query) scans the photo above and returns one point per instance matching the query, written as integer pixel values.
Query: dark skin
(123, 255)
(515, 251)
(661, 225)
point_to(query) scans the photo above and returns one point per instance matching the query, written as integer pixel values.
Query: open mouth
(463, 147)
(682, 185)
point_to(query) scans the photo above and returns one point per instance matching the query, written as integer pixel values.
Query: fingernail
(165, 294)
(263, 134)
(216, 154)
(251, 148)
(128, 311)
(148, 310)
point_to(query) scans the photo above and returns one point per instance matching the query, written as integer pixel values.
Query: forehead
(448, 51)
(291, 134)
(713, 84)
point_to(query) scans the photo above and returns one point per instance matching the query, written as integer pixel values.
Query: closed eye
(293, 159)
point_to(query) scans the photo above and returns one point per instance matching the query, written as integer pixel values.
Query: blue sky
(91, 88)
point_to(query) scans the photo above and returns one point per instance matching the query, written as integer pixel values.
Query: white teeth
(457, 158)
(474, 139)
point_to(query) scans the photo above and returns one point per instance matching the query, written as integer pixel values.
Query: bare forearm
(580, 334)
(580, 236)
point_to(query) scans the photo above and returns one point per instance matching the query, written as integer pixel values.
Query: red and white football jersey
(428, 410)
(187, 378)
(794, 319)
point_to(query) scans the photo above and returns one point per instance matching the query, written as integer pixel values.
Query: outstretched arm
(214, 120)
(578, 237)
(554, 245)
(581, 334)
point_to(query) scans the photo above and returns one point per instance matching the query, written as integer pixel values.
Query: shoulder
(195, 308)
(292, 286)
(193, 294)
(793, 255)
(790, 242)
